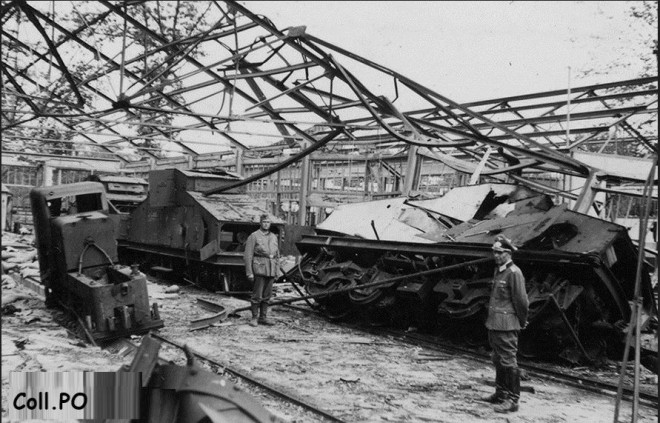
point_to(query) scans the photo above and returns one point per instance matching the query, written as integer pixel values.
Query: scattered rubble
(361, 378)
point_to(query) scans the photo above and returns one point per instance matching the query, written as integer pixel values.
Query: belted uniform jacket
(509, 304)
(262, 255)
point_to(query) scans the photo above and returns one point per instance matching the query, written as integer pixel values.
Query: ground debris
(15, 296)
(20, 343)
(361, 378)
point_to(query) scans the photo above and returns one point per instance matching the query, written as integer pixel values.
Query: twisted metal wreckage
(400, 260)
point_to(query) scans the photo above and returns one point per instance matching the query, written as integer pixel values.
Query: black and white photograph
(329, 211)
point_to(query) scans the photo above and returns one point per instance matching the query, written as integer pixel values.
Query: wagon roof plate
(228, 175)
(233, 207)
(123, 179)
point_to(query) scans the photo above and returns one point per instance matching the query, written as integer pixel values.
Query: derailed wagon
(580, 270)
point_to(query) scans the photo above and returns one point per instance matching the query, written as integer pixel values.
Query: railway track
(533, 369)
(125, 347)
(210, 331)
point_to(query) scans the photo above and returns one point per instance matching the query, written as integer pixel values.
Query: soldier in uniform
(507, 316)
(262, 258)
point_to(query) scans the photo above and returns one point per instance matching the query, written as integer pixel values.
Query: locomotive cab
(77, 250)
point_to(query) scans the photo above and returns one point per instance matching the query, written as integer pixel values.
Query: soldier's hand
(251, 277)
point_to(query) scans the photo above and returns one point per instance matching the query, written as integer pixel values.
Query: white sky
(473, 50)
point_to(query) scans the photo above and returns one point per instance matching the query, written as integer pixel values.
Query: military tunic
(508, 305)
(262, 261)
(262, 254)
(507, 314)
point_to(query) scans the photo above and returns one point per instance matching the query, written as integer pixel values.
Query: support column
(367, 178)
(588, 194)
(239, 161)
(412, 171)
(304, 186)
(47, 175)
(278, 195)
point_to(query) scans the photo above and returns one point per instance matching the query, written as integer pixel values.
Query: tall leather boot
(498, 396)
(510, 404)
(263, 318)
(255, 314)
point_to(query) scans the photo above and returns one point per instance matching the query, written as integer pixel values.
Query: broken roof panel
(463, 203)
(356, 219)
(400, 219)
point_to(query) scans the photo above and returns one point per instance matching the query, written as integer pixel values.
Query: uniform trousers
(505, 347)
(262, 289)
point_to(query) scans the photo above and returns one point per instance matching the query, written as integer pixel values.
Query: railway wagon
(180, 232)
(580, 270)
(78, 261)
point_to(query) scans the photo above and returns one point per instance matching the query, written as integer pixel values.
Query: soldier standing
(507, 316)
(262, 258)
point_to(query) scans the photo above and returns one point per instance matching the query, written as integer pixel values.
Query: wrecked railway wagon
(177, 230)
(580, 271)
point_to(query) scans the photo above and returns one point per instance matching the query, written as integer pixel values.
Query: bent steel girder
(244, 81)
(118, 102)
(39, 111)
(224, 81)
(42, 113)
(30, 13)
(445, 104)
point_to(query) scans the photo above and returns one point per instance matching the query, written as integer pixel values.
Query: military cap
(503, 244)
(264, 217)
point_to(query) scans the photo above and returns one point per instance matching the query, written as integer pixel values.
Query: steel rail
(198, 323)
(272, 389)
(219, 314)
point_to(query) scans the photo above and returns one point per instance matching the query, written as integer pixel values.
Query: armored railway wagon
(580, 270)
(178, 230)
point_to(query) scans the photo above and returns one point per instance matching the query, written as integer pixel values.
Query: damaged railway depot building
(403, 203)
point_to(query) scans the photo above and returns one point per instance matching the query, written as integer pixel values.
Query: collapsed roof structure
(133, 78)
(103, 80)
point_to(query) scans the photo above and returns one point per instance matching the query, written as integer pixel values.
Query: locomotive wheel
(365, 296)
(334, 306)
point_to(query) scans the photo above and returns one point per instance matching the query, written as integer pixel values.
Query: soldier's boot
(255, 314)
(510, 404)
(498, 396)
(263, 318)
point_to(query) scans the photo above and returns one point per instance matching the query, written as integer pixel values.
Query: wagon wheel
(337, 306)
(366, 295)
